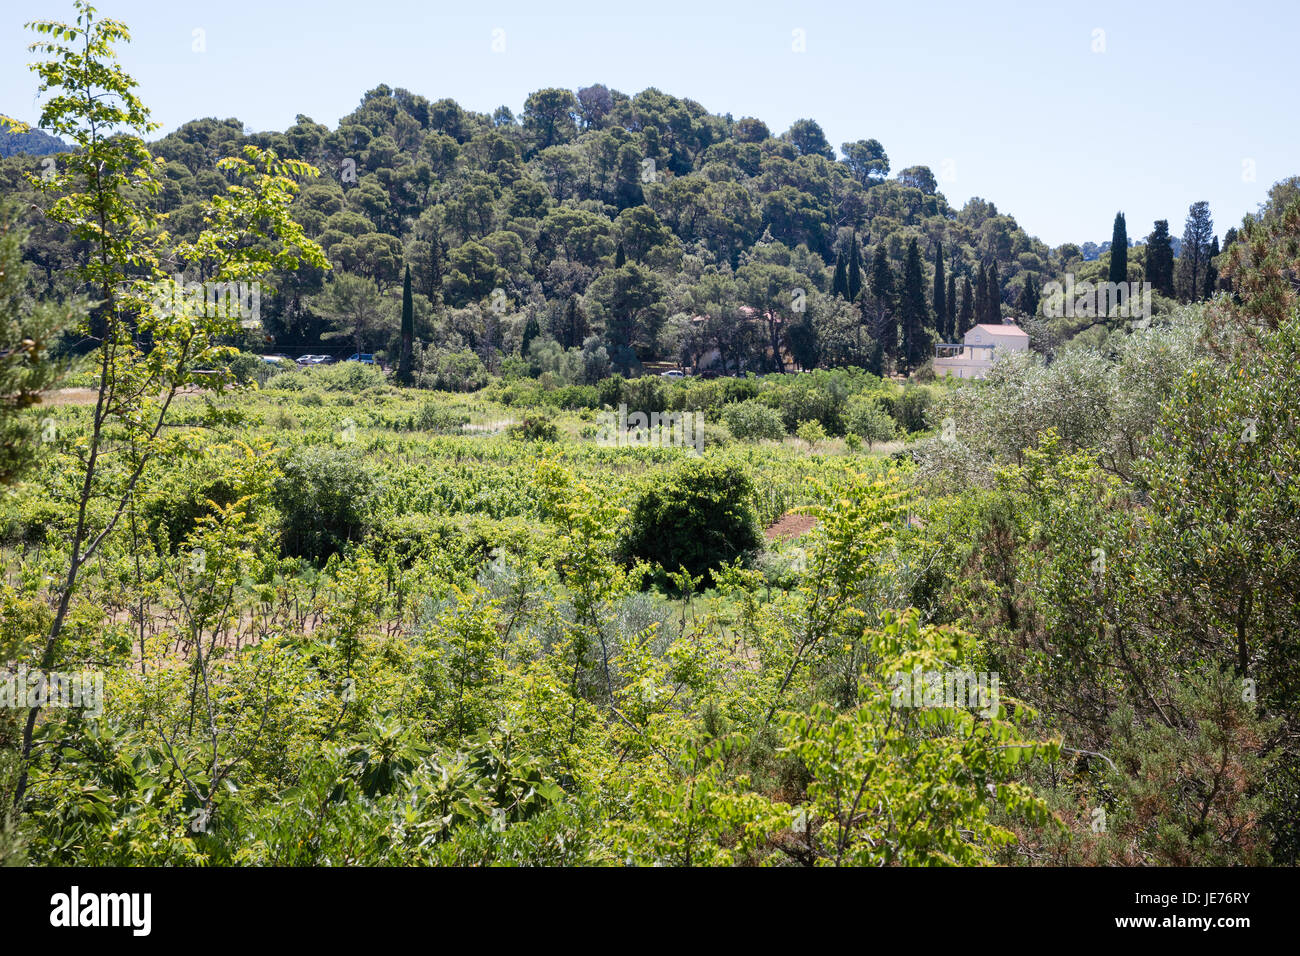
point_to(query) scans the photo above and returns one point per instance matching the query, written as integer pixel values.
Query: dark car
(366, 358)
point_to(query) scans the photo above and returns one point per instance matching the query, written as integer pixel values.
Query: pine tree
(939, 296)
(855, 270)
(981, 294)
(1195, 253)
(840, 284)
(1119, 250)
(408, 331)
(994, 301)
(885, 326)
(913, 312)
(967, 317)
(1159, 270)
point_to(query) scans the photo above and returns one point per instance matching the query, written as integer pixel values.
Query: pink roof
(1004, 329)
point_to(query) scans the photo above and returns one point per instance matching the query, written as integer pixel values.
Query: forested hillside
(644, 225)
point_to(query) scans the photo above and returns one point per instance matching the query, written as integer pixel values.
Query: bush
(326, 496)
(866, 418)
(574, 396)
(456, 372)
(534, 428)
(433, 417)
(752, 421)
(698, 516)
(912, 407)
(288, 381)
(803, 400)
(347, 376)
(248, 368)
(811, 432)
(645, 394)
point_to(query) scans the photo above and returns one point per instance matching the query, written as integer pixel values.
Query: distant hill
(34, 142)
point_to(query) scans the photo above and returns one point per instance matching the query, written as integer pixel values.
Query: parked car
(673, 373)
(276, 359)
(307, 359)
(366, 358)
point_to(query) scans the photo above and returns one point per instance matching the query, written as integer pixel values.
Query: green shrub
(803, 400)
(811, 432)
(431, 416)
(866, 419)
(752, 421)
(645, 394)
(347, 376)
(534, 428)
(287, 381)
(698, 516)
(326, 496)
(248, 368)
(911, 408)
(455, 372)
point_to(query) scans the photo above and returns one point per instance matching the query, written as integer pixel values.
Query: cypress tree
(1029, 295)
(1119, 251)
(575, 324)
(408, 331)
(619, 256)
(994, 316)
(913, 312)
(950, 320)
(940, 294)
(1159, 270)
(854, 285)
(882, 296)
(840, 284)
(531, 331)
(981, 295)
(967, 317)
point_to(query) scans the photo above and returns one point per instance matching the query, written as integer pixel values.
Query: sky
(1060, 114)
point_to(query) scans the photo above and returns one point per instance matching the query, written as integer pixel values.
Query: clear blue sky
(1009, 99)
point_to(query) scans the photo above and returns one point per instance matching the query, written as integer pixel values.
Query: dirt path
(790, 525)
(86, 396)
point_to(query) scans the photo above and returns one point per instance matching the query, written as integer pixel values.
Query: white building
(979, 350)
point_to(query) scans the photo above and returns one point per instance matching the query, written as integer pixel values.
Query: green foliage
(341, 622)
(454, 372)
(26, 368)
(753, 421)
(325, 495)
(698, 517)
(811, 432)
(866, 418)
(534, 428)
